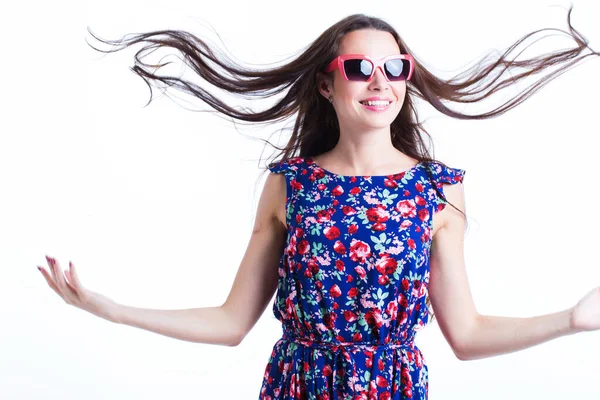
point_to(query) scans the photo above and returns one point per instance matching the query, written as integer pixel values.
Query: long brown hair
(316, 128)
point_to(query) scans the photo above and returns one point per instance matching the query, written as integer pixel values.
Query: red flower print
(392, 309)
(378, 227)
(411, 243)
(352, 292)
(420, 201)
(386, 264)
(403, 317)
(329, 320)
(373, 318)
(406, 223)
(401, 298)
(303, 247)
(331, 232)
(377, 214)
(308, 273)
(339, 247)
(323, 216)
(405, 377)
(313, 265)
(381, 381)
(359, 250)
(385, 395)
(383, 280)
(319, 285)
(423, 214)
(405, 284)
(339, 265)
(318, 173)
(381, 366)
(327, 370)
(357, 337)
(352, 228)
(354, 191)
(291, 311)
(419, 187)
(296, 185)
(360, 271)
(335, 291)
(390, 183)
(348, 210)
(349, 316)
(406, 208)
(337, 191)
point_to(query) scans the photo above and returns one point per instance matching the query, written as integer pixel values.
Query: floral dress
(352, 283)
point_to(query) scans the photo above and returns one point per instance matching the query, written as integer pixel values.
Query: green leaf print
(380, 241)
(361, 320)
(316, 229)
(387, 198)
(338, 275)
(316, 248)
(380, 295)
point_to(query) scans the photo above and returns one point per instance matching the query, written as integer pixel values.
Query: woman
(352, 232)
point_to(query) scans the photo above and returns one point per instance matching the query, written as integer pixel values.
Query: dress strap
(289, 168)
(444, 175)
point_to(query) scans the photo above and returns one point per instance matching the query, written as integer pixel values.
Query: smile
(376, 105)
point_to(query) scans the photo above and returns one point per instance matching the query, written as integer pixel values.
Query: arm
(253, 287)
(470, 334)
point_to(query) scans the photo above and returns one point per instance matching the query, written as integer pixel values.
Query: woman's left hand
(585, 316)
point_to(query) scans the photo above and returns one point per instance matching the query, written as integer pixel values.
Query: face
(348, 95)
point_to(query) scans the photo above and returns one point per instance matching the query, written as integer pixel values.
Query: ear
(325, 84)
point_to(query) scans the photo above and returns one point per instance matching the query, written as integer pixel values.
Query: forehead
(374, 43)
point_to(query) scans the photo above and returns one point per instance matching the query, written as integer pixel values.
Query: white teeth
(376, 103)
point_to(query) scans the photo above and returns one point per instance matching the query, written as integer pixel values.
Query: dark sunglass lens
(358, 70)
(397, 70)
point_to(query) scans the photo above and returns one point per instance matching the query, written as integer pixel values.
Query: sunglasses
(359, 67)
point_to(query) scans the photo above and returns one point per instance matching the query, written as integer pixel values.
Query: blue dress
(352, 283)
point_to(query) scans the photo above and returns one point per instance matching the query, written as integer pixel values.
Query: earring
(331, 100)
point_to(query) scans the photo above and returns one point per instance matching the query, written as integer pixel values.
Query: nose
(378, 80)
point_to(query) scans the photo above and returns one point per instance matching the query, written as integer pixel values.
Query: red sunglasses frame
(338, 62)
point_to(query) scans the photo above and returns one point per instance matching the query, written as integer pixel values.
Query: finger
(69, 281)
(50, 281)
(51, 268)
(67, 292)
(73, 277)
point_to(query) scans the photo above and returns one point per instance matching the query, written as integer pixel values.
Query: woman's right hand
(70, 289)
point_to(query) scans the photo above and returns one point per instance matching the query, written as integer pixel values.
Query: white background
(155, 204)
